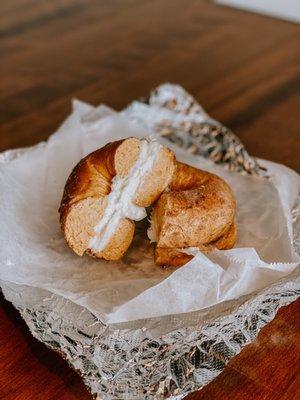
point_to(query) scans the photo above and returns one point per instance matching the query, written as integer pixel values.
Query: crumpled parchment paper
(34, 253)
(168, 356)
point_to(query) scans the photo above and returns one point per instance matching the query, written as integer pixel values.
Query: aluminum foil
(166, 357)
(176, 115)
(162, 358)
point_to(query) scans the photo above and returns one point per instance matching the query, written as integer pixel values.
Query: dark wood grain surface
(243, 68)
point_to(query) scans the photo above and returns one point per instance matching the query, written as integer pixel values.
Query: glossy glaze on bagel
(109, 189)
(197, 211)
(88, 192)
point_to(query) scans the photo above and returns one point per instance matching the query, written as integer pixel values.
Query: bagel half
(108, 190)
(197, 211)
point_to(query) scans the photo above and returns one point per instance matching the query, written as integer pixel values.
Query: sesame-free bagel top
(109, 189)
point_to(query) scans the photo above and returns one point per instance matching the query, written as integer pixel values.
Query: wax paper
(34, 252)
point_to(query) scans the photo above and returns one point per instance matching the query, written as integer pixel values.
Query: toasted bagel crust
(198, 211)
(175, 257)
(84, 198)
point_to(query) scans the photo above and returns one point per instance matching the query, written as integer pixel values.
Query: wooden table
(243, 68)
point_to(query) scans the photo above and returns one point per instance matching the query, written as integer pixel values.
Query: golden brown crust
(83, 201)
(198, 211)
(227, 241)
(174, 257)
(91, 177)
(164, 256)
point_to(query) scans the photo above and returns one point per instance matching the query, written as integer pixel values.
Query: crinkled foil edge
(134, 363)
(173, 113)
(168, 357)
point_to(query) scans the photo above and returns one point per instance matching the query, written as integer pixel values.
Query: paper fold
(34, 253)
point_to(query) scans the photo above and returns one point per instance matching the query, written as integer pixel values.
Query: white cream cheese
(119, 202)
(152, 230)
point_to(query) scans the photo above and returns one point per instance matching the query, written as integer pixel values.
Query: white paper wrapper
(169, 356)
(33, 252)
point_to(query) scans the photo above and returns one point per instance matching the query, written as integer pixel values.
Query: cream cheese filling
(119, 202)
(152, 231)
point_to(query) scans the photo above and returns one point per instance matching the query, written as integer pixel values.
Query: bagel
(108, 190)
(197, 211)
